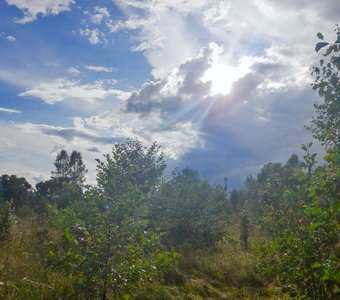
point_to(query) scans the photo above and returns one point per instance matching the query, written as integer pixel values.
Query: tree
(57, 192)
(69, 168)
(190, 210)
(130, 164)
(326, 125)
(237, 199)
(66, 183)
(16, 189)
(305, 220)
(109, 245)
(62, 165)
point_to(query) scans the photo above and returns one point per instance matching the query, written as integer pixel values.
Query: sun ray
(223, 76)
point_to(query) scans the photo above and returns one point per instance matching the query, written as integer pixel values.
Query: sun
(223, 76)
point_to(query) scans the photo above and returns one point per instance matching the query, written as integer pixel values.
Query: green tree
(190, 210)
(16, 189)
(66, 184)
(237, 199)
(109, 246)
(326, 125)
(305, 219)
(130, 164)
(69, 168)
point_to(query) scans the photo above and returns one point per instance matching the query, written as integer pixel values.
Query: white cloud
(99, 14)
(21, 151)
(73, 71)
(168, 32)
(9, 110)
(100, 69)
(89, 137)
(147, 45)
(163, 33)
(94, 35)
(176, 138)
(23, 143)
(18, 77)
(20, 142)
(92, 25)
(54, 64)
(129, 24)
(62, 89)
(265, 64)
(33, 8)
(261, 118)
(159, 111)
(11, 38)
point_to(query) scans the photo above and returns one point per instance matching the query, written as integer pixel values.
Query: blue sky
(222, 86)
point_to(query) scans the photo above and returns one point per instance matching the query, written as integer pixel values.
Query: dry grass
(22, 271)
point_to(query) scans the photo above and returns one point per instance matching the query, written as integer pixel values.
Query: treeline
(109, 240)
(138, 234)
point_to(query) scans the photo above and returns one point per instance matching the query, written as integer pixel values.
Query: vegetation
(138, 234)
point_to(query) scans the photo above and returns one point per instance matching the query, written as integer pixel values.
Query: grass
(227, 272)
(23, 274)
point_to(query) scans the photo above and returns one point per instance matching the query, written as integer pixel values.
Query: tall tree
(66, 183)
(130, 163)
(109, 244)
(16, 189)
(69, 168)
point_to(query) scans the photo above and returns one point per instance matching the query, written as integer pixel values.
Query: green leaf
(68, 235)
(316, 265)
(320, 35)
(315, 225)
(320, 45)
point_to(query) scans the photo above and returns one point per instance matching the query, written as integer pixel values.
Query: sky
(222, 86)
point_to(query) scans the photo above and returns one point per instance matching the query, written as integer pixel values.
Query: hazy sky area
(222, 86)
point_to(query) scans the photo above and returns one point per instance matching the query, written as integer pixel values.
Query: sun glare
(222, 77)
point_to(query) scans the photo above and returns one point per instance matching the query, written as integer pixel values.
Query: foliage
(23, 274)
(15, 189)
(276, 238)
(57, 192)
(264, 189)
(109, 247)
(69, 168)
(190, 210)
(305, 228)
(305, 219)
(130, 164)
(237, 199)
(325, 126)
(244, 230)
(66, 183)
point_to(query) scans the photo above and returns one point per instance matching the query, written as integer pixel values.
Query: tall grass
(23, 274)
(226, 272)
